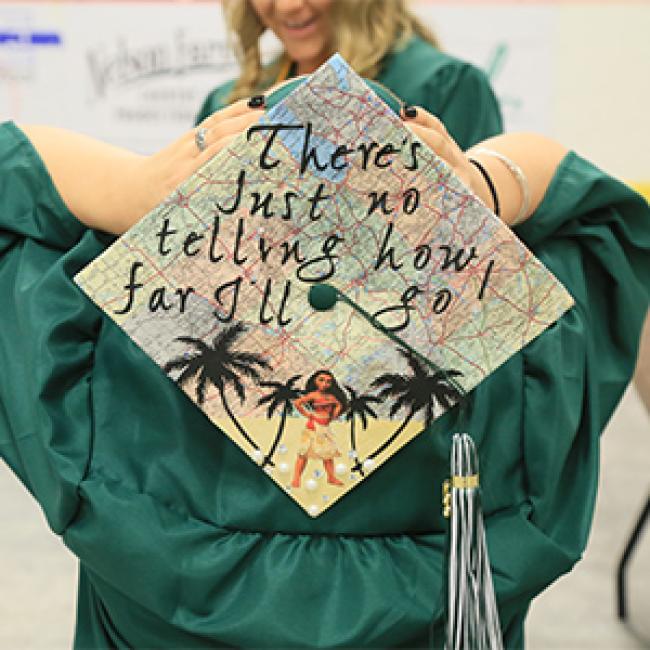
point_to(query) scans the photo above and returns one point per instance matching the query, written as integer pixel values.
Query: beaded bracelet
(520, 177)
(489, 183)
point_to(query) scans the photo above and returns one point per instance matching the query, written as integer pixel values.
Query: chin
(311, 56)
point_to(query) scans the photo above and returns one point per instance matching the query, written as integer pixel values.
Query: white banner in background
(135, 74)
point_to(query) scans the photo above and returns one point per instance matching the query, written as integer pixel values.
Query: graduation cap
(324, 288)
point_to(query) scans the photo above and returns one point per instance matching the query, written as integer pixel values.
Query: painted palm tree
(359, 407)
(416, 392)
(281, 395)
(220, 366)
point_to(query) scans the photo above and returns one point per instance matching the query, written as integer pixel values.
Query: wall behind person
(134, 73)
(576, 71)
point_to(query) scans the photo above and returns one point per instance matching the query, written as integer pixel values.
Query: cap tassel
(473, 619)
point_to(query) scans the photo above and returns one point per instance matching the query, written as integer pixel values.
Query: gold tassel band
(465, 482)
(459, 482)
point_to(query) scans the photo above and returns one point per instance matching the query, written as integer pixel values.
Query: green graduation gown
(184, 543)
(421, 75)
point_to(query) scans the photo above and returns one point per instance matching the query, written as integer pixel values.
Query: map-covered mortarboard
(324, 288)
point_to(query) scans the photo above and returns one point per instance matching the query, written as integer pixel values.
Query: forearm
(536, 155)
(109, 188)
(94, 179)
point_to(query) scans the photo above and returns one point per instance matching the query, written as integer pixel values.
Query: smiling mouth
(300, 24)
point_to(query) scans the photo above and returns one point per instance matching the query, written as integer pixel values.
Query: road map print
(329, 188)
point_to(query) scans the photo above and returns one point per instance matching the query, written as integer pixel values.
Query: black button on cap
(322, 296)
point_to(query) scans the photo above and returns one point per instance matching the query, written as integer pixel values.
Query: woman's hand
(161, 173)
(109, 188)
(434, 134)
(537, 157)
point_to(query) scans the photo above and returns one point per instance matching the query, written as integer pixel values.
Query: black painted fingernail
(410, 112)
(257, 101)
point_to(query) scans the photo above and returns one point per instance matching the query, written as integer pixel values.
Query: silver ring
(199, 138)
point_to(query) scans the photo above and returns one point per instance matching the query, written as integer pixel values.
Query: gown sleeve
(45, 414)
(593, 233)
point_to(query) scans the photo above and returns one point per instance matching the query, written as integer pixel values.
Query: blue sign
(30, 38)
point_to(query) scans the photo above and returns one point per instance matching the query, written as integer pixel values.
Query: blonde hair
(365, 32)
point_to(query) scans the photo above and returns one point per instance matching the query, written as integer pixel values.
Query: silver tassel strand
(473, 620)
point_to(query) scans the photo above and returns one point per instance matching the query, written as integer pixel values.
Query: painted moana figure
(323, 401)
